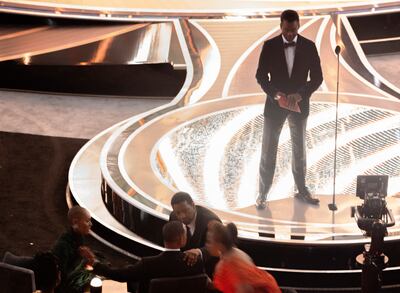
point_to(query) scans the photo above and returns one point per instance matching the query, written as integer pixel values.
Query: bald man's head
(80, 220)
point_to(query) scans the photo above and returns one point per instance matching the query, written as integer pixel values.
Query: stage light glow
(26, 60)
(318, 41)
(211, 65)
(96, 282)
(96, 285)
(145, 45)
(221, 163)
(174, 168)
(345, 177)
(249, 182)
(215, 152)
(322, 150)
(351, 70)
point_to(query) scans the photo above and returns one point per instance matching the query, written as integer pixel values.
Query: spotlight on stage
(374, 218)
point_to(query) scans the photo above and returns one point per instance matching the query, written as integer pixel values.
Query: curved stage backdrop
(207, 140)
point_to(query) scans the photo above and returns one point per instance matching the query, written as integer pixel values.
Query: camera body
(369, 185)
(373, 190)
(374, 206)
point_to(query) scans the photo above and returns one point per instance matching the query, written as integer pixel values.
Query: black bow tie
(287, 45)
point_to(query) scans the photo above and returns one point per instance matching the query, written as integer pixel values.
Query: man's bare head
(80, 220)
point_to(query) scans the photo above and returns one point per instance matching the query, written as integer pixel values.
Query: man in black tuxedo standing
(197, 220)
(170, 263)
(286, 62)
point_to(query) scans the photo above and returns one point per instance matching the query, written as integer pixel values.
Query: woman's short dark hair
(181, 197)
(289, 16)
(226, 235)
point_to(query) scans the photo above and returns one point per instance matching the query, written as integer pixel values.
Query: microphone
(332, 206)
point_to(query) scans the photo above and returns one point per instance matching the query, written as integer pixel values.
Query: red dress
(234, 272)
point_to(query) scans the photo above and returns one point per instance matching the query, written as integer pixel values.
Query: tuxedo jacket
(198, 239)
(273, 76)
(165, 265)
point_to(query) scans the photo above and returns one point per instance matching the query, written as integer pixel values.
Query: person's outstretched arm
(132, 273)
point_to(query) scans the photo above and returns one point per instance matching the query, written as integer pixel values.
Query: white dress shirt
(289, 55)
(192, 225)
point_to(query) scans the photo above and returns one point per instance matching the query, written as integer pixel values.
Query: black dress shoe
(261, 203)
(307, 197)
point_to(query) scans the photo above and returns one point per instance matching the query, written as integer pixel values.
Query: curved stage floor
(207, 142)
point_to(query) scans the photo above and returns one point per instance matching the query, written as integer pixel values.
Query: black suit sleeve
(315, 74)
(263, 70)
(132, 273)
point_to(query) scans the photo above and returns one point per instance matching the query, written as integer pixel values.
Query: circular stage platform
(212, 151)
(207, 142)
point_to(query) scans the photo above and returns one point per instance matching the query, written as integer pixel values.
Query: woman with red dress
(236, 272)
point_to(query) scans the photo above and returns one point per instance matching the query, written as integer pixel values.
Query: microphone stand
(332, 206)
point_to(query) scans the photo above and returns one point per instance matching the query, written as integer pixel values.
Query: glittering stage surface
(216, 157)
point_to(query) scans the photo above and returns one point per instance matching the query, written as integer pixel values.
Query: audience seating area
(16, 279)
(15, 276)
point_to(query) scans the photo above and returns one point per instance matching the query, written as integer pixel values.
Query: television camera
(373, 217)
(373, 190)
